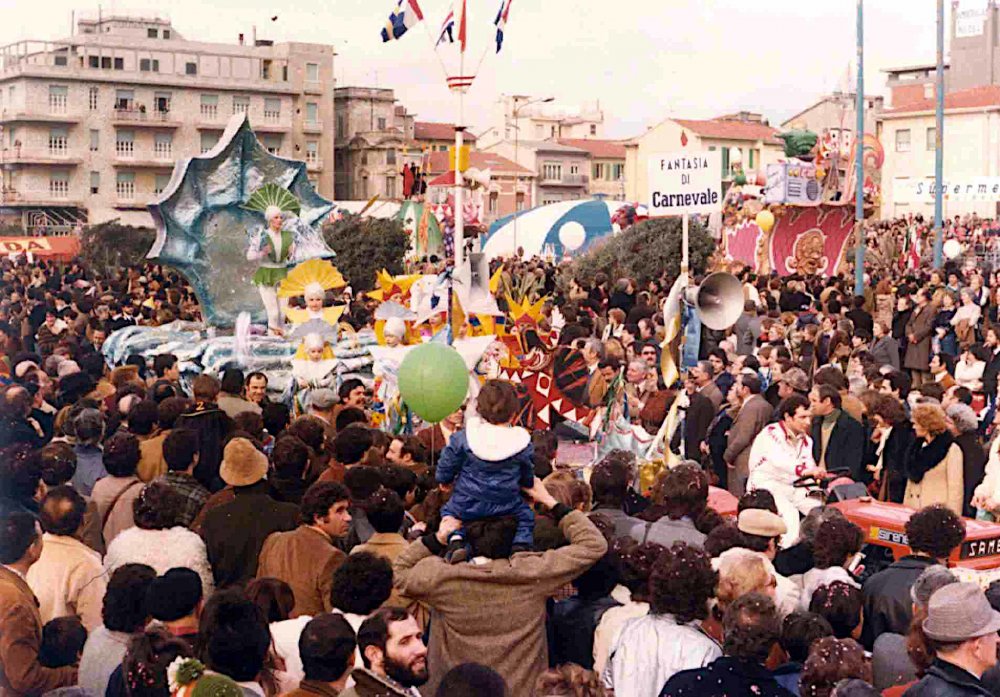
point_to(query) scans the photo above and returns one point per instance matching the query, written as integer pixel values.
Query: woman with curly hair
(830, 661)
(569, 680)
(650, 649)
(893, 438)
(839, 603)
(836, 542)
(157, 539)
(934, 466)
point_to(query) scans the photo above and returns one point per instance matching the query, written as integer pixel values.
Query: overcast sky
(643, 59)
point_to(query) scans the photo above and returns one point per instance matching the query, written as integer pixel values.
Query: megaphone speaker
(719, 300)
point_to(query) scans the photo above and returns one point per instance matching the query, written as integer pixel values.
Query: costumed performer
(386, 403)
(273, 251)
(310, 280)
(314, 366)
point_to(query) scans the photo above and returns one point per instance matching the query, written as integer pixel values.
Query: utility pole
(859, 144)
(939, 140)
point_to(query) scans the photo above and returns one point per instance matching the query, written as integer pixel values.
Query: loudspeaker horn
(719, 300)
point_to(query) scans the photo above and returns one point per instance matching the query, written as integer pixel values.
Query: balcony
(134, 158)
(312, 127)
(59, 157)
(13, 197)
(565, 180)
(312, 87)
(141, 118)
(314, 164)
(13, 116)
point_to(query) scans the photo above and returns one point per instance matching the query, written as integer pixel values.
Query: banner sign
(65, 247)
(906, 190)
(685, 182)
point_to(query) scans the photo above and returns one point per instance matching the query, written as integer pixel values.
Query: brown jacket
(921, 325)
(20, 638)
(151, 463)
(391, 545)
(753, 416)
(305, 559)
(368, 684)
(313, 688)
(494, 613)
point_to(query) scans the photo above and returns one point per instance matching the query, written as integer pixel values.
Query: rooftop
(725, 129)
(551, 146)
(912, 68)
(602, 149)
(430, 130)
(437, 162)
(973, 98)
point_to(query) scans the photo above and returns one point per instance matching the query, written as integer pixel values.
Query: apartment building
(562, 172)
(509, 189)
(431, 136)
(523, 117)
(607, 165)
(90, 126)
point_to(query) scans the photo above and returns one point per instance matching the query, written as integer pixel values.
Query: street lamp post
(517, 133)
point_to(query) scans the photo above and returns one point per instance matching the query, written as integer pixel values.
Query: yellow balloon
(765, 220)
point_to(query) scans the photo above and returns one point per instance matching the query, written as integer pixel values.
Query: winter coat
(494, 613)
(846, 448)
(973, 468)
(572, 623)
(942, 483)
(368, 684)
(305, 559)
(921, 325)
(888, 606)
(163, 550)
(68, 579)
(945, 679)
(885, 351)
(488, 465)
(20, 639)
(753, 416)
(725, 677)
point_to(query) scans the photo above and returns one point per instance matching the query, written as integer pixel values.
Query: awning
(56, 248)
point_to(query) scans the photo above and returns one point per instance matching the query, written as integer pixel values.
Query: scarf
(923, 457)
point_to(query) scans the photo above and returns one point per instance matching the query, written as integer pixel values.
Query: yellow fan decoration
(331, 315)
(495, 280)
(390, 286)
(317, 271)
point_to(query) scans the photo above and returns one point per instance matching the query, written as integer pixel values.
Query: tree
(647, 251)
(111, 246)
(366, 245)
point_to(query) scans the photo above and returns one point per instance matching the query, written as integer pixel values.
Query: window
(166, 33)
(284, 73)
(124, 99)
(574, 168)
(119, 64)
(599, 170)
(341, 128)
(152, 33)
(312, 151)
(272, 143)
(95, 140)
(751, 153)
(381, 123)
(312, 113)
(58, 141)
(59, 184)
(519, 201)
(210, 106)
(903, 140)
(58, 98)
(94, 61)
(163, 145)
(265, 70)
(272, 109)
(124, 143)
(147, 65)
(160, 184)
(60, 59)
(390, 156)
(312, 72)
(552, 171)
(726, 174)
(208, 141)
(494, 203)
(241, 105)
(125, 186)
(93, 95)
(618, 172)
(931, 136)
(390, 186)
(161, 102)
(593, 129)
(106, 62)
(190, 68)
(95, 182)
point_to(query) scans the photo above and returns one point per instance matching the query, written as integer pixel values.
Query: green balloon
(433, 381)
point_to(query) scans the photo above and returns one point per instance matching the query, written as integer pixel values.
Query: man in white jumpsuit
(782, 453)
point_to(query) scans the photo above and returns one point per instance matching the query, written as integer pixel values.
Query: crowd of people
(160, 535)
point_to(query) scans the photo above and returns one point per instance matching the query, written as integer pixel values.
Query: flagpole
(459, 210)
